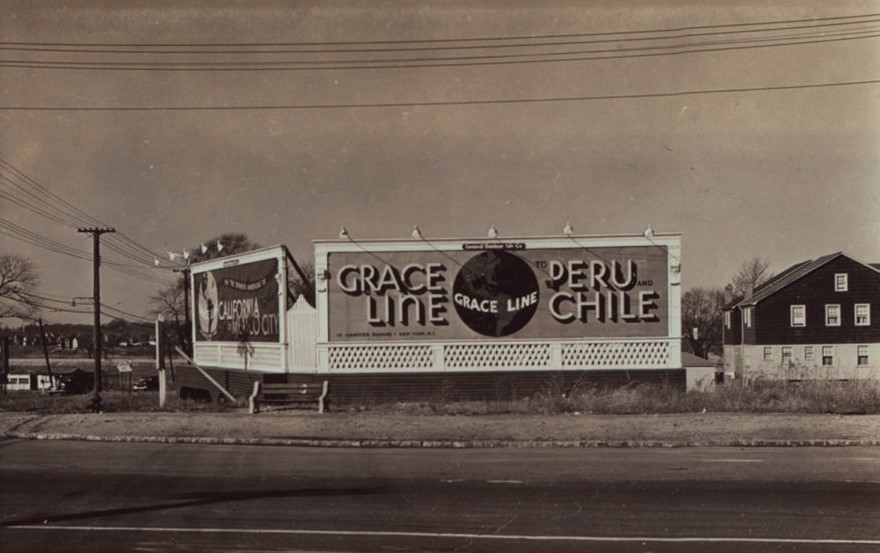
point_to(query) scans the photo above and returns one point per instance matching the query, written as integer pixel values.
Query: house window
(863, 355)
(832, 315)
(747, 316)
(841, 282)
(798, 315)
(863, 314)
(827, 356)
(768, 353)
(808, 353)
(786, 355)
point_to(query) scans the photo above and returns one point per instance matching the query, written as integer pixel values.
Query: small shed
(699, 372)
(76, 381)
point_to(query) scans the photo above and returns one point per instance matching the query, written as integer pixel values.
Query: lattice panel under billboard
(381, 357)
(616, 354)
(496, 356)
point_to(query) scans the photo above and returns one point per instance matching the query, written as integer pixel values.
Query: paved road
(81, 496)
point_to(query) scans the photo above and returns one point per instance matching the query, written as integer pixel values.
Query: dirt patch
(676, 429)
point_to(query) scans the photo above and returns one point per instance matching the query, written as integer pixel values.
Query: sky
(772, 166)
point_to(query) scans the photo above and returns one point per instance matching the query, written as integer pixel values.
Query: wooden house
(818, 319)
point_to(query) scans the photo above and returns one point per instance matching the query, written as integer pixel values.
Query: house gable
(814, 290)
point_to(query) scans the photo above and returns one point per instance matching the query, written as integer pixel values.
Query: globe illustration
(208, 301)
(495, 293)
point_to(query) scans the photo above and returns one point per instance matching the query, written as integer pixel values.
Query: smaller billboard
(238, 301)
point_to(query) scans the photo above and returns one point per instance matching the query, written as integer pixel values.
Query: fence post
(160, 360)
(4, 375)
(45, 342)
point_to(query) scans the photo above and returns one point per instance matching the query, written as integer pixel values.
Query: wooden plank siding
(486, 386)
(387, 387)
(732, 335)
(771, 320)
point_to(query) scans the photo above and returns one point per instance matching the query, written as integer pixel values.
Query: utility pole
(186, 271)
(96, 233)
(46, 353)
(4, 373)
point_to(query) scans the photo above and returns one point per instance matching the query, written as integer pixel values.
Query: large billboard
(492, 291)
(238, 302)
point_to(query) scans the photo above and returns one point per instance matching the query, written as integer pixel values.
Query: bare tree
(169, 301)
(701, 319)
(751, 274)
(18, 278)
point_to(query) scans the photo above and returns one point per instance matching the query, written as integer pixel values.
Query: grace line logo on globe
(495, 293)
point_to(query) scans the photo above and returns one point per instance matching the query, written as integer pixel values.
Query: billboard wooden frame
(264, 356)
(327, 349)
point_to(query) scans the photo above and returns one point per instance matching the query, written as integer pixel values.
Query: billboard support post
(210, 379)
(160, 359)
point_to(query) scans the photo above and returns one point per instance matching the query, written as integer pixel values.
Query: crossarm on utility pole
(205, 374)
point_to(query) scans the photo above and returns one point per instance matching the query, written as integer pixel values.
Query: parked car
(147, 383)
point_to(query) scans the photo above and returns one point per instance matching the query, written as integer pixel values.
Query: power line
(71, 302)
(48, 308)
(432, 62)
(79, 215)
(105, 309)
(40, 240)
(274, 48)
(24, 183)
(20, 233)
(48, 197)
(55, 247)
(449, 40)
(452, 103)
(73, 216)
(126, 313)
(34, 209)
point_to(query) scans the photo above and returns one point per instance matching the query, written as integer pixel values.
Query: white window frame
(867, 307)
(747, 316)
(768, 353)
(828, 307)
(830, 350)
(727, 320)
(859, 355)
(808, 353)
(803, 320)
(841, 284)
(786, 355)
